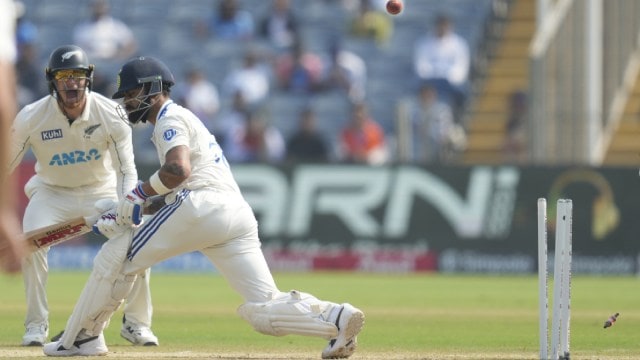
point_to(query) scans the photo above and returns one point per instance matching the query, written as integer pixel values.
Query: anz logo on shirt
(74, 157)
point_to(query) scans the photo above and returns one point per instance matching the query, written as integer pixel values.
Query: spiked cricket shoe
(35, 335)
(349, 322)
(90, 346)
(137, 334)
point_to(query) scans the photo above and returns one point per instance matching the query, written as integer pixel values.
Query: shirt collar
(87, 106)
(163, 109)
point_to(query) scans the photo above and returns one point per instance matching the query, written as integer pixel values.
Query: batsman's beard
(139, 114)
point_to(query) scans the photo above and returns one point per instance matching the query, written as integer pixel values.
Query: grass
(416, 316)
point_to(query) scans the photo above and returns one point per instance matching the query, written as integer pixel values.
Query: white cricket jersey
(176, 125)
(94, 150)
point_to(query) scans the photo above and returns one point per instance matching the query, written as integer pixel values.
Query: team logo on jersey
(89, 130)
(169, 134)
(51, 134)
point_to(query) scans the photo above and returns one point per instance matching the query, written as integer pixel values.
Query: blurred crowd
(237, 109)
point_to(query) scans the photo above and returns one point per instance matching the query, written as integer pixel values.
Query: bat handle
(91, 220)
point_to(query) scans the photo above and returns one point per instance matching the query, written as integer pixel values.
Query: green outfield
(425, 316)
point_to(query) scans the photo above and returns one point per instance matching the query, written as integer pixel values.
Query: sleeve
(20, 141)
(121, 150)
(169, 134)
(125, 34)
(460, 68)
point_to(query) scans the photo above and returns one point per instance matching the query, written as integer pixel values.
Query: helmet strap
(141, 113)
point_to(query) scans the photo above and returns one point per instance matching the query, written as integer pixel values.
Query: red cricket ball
(394, 7)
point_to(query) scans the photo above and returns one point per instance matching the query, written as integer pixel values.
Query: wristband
(138, 191)
(157, 184)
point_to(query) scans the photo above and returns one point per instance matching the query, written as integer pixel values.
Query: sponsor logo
(374, 202)
(74, 157)
(169, 134)
(54, 236)
(51, 134)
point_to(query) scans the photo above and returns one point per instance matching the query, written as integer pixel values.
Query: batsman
(83, 153)
(206, 212)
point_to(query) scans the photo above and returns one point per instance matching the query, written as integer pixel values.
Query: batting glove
(129, 211)
(107, 225)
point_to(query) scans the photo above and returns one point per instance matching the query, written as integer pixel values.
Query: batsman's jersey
(175, 126)
(94, 151)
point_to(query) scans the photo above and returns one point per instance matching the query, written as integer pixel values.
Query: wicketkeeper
(83, 153)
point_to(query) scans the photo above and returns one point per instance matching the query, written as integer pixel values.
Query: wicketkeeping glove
(129, 211)
(104, 205)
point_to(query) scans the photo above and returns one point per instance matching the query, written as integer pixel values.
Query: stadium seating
(506, 73)
(164, 28)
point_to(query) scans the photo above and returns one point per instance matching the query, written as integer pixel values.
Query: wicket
(561, 312)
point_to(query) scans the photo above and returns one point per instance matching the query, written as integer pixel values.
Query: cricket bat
(71, 229)
(57, 233)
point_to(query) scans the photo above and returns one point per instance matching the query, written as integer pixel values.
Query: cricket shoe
(349, 322)
(137, 334)
(57, 336)
(35, 335)
(87, 346)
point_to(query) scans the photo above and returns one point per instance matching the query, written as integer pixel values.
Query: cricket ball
(394, 7)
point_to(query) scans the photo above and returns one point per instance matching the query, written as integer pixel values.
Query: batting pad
(291, 313)
(104, 291)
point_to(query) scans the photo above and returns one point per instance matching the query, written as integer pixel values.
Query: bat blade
(57, 233)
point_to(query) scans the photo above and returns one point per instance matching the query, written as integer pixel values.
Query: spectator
(104, 37)
(231, 118)
(442, 59)
(252, 79)
(363, 140)
(26, 31)
(230, 22)
(515, 141)
(107, 41)
(307, 144)
(255, 141)
(198, 95)
(371, 23)
(353, 6)
(346, 71)
(29, 72)
(435, 135)
(299, 70)
(28, 68)
(280, 25)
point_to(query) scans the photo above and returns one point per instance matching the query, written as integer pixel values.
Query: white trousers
(220, 226)
(51, 205)
(223, 228)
